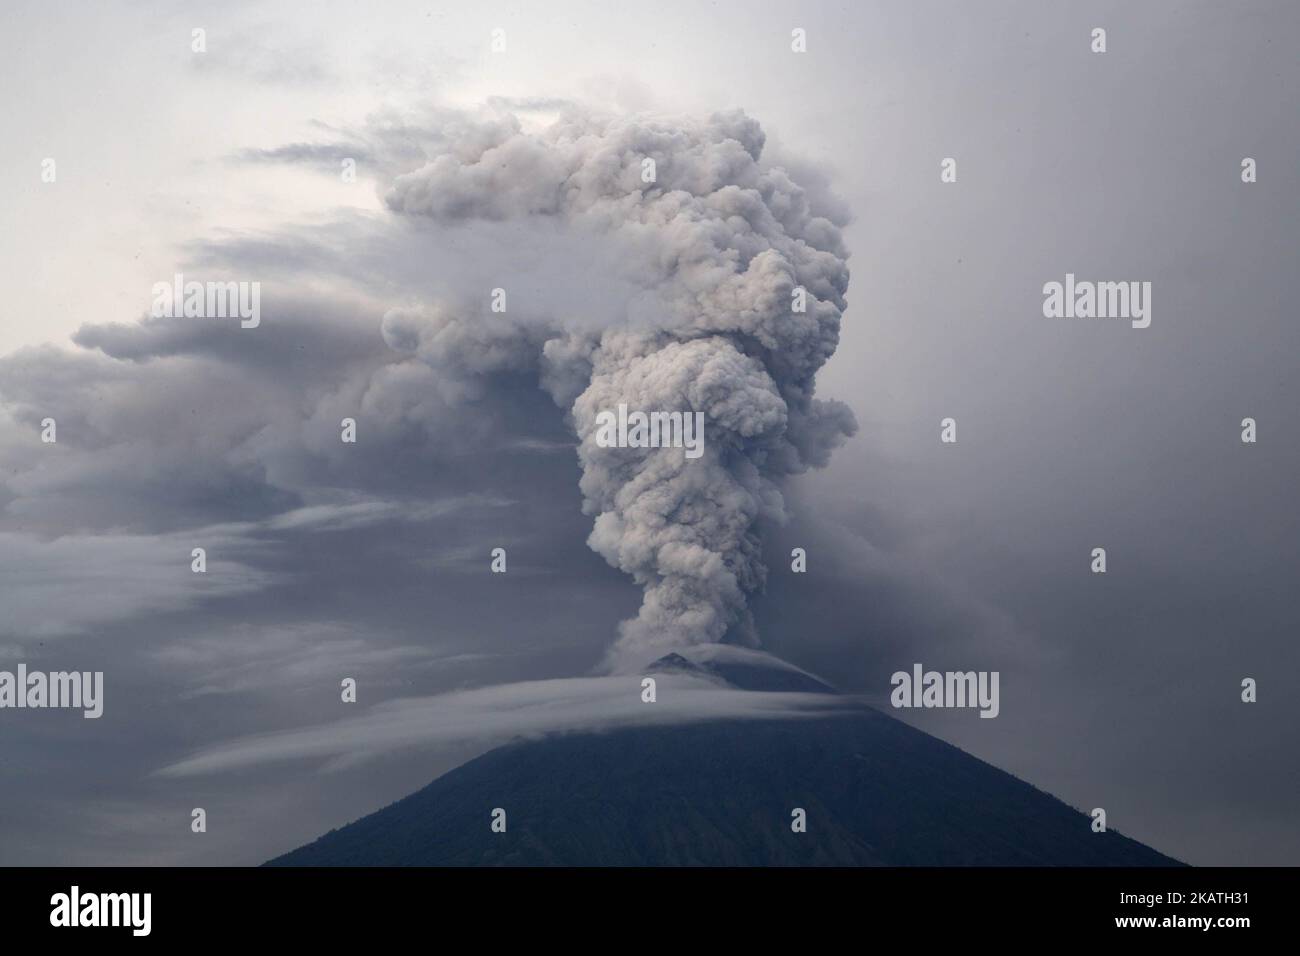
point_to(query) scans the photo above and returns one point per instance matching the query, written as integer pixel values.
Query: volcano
(874, 791)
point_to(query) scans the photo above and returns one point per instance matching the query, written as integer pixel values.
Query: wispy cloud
(60, 587)
(495, 714)
(301, 656)
(55, 587)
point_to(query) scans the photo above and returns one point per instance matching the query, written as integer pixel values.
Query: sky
(371, 561)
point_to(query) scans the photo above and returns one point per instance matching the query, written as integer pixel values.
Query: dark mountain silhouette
(744, 670)
(875, 791)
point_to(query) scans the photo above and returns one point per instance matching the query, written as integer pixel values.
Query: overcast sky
(371, 561)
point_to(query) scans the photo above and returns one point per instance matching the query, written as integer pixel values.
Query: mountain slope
(876, 792)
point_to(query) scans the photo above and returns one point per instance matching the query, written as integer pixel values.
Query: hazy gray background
(1120, 691)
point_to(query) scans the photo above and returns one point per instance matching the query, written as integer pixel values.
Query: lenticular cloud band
(745, 282)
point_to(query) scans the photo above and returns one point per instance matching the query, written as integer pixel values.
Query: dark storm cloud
(310, 335)
(325, 154)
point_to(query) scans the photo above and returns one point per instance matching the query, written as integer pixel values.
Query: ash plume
(715, 246)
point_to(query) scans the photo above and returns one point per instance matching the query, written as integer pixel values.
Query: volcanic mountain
(874, 792)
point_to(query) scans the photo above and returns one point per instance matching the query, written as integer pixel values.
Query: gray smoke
(714, 248)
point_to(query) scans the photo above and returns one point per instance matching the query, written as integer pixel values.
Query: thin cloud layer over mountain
(493, 715)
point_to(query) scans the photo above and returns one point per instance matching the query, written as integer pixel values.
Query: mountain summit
(741, 669)
(873, 790)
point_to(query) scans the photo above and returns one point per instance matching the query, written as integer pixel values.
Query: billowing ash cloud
(672, 295)
(715, 246)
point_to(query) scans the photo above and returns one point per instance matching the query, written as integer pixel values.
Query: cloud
(323, 154)
(723, 241)
(672, 294)
(492, 715)
(360, 514)
(65, 586)
(298, 656)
